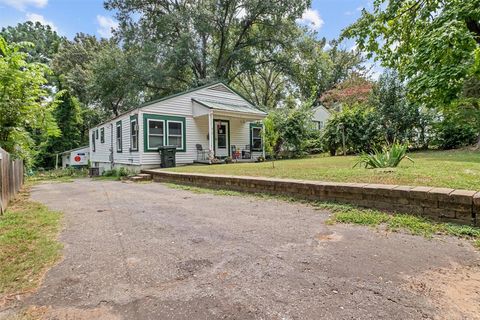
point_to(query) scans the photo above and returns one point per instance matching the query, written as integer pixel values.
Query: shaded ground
(144, 251)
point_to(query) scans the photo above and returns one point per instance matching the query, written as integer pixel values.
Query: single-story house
(320, 116)
(205, 123)
(77, 157)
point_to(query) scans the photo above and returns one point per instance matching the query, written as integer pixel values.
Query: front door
(221, 138)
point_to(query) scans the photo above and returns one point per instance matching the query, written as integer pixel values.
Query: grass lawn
(28, 244)
(458, 169)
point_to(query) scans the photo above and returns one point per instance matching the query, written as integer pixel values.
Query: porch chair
(202, 154)
(235, 152)
(246, 153)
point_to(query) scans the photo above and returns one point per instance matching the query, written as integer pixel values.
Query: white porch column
(210, 132)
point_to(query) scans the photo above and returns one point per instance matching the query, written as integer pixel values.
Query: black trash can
(167, 156)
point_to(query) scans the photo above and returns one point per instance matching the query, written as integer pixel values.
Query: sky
(68, 17)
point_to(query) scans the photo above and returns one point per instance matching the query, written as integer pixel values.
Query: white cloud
(34, 17)
(312, 19)
(23, 4)
(106, 25)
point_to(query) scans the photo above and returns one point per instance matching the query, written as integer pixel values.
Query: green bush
(387, 158)
(289, 132)
(459, 126)
(120, 172)
(359, 124)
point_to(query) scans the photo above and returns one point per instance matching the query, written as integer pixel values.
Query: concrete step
(146, 176)
(141, 177)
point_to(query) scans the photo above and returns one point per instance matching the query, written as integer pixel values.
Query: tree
(431, 43)
(266, 86)
(68, 115)
(192, 42)
(45, 40)
(317, 70)
(71, 63)
(354, 89)
(288, 130)
(271, 136)
(113, 84)
(25, 111)
(398, 118)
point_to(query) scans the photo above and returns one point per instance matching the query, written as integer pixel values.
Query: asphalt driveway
(146, 251)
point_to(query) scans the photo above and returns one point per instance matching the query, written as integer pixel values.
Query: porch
(232, 132)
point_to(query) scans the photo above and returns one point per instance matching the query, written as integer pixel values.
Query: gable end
(221, 88)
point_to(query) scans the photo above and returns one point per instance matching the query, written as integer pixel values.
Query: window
(175, 134)
(163, 130)
(96, 134)
(102, 135)
(133, 133)
(256, 137)
(155, 134)
(93, 141)
(119, 136)
(319, 125)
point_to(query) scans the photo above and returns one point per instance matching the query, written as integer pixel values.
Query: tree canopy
(205, 40)
(25, 110)
(433, 44)
(45, 40)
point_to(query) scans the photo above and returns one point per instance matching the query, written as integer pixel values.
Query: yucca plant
(386, 158)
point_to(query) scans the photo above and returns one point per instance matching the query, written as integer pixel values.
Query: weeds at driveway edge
(350, 214)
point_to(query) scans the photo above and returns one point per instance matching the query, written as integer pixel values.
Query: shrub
(459, 126)
(289, 131)
(387, 158)
(58, 174)
(359, 124)
(118, 173)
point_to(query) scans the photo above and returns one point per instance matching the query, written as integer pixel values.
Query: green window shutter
(256, 137)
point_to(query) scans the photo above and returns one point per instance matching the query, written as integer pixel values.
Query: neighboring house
(77, 157)
(320, 116)
(208, 122)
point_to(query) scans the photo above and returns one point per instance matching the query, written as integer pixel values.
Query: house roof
(217, 105)
(79, 148)
(173, 96)
(322, 107)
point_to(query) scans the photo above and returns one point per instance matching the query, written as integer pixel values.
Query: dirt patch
(190, 267)
(455, 291)
(48, 313)
(328, 236)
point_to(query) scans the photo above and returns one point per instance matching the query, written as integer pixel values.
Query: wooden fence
(11, 178)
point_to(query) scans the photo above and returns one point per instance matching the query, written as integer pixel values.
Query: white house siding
(101, 156)
(240, 135)
(321, 114)
(196, 129)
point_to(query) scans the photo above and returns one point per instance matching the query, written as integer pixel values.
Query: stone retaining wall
(444, 204)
